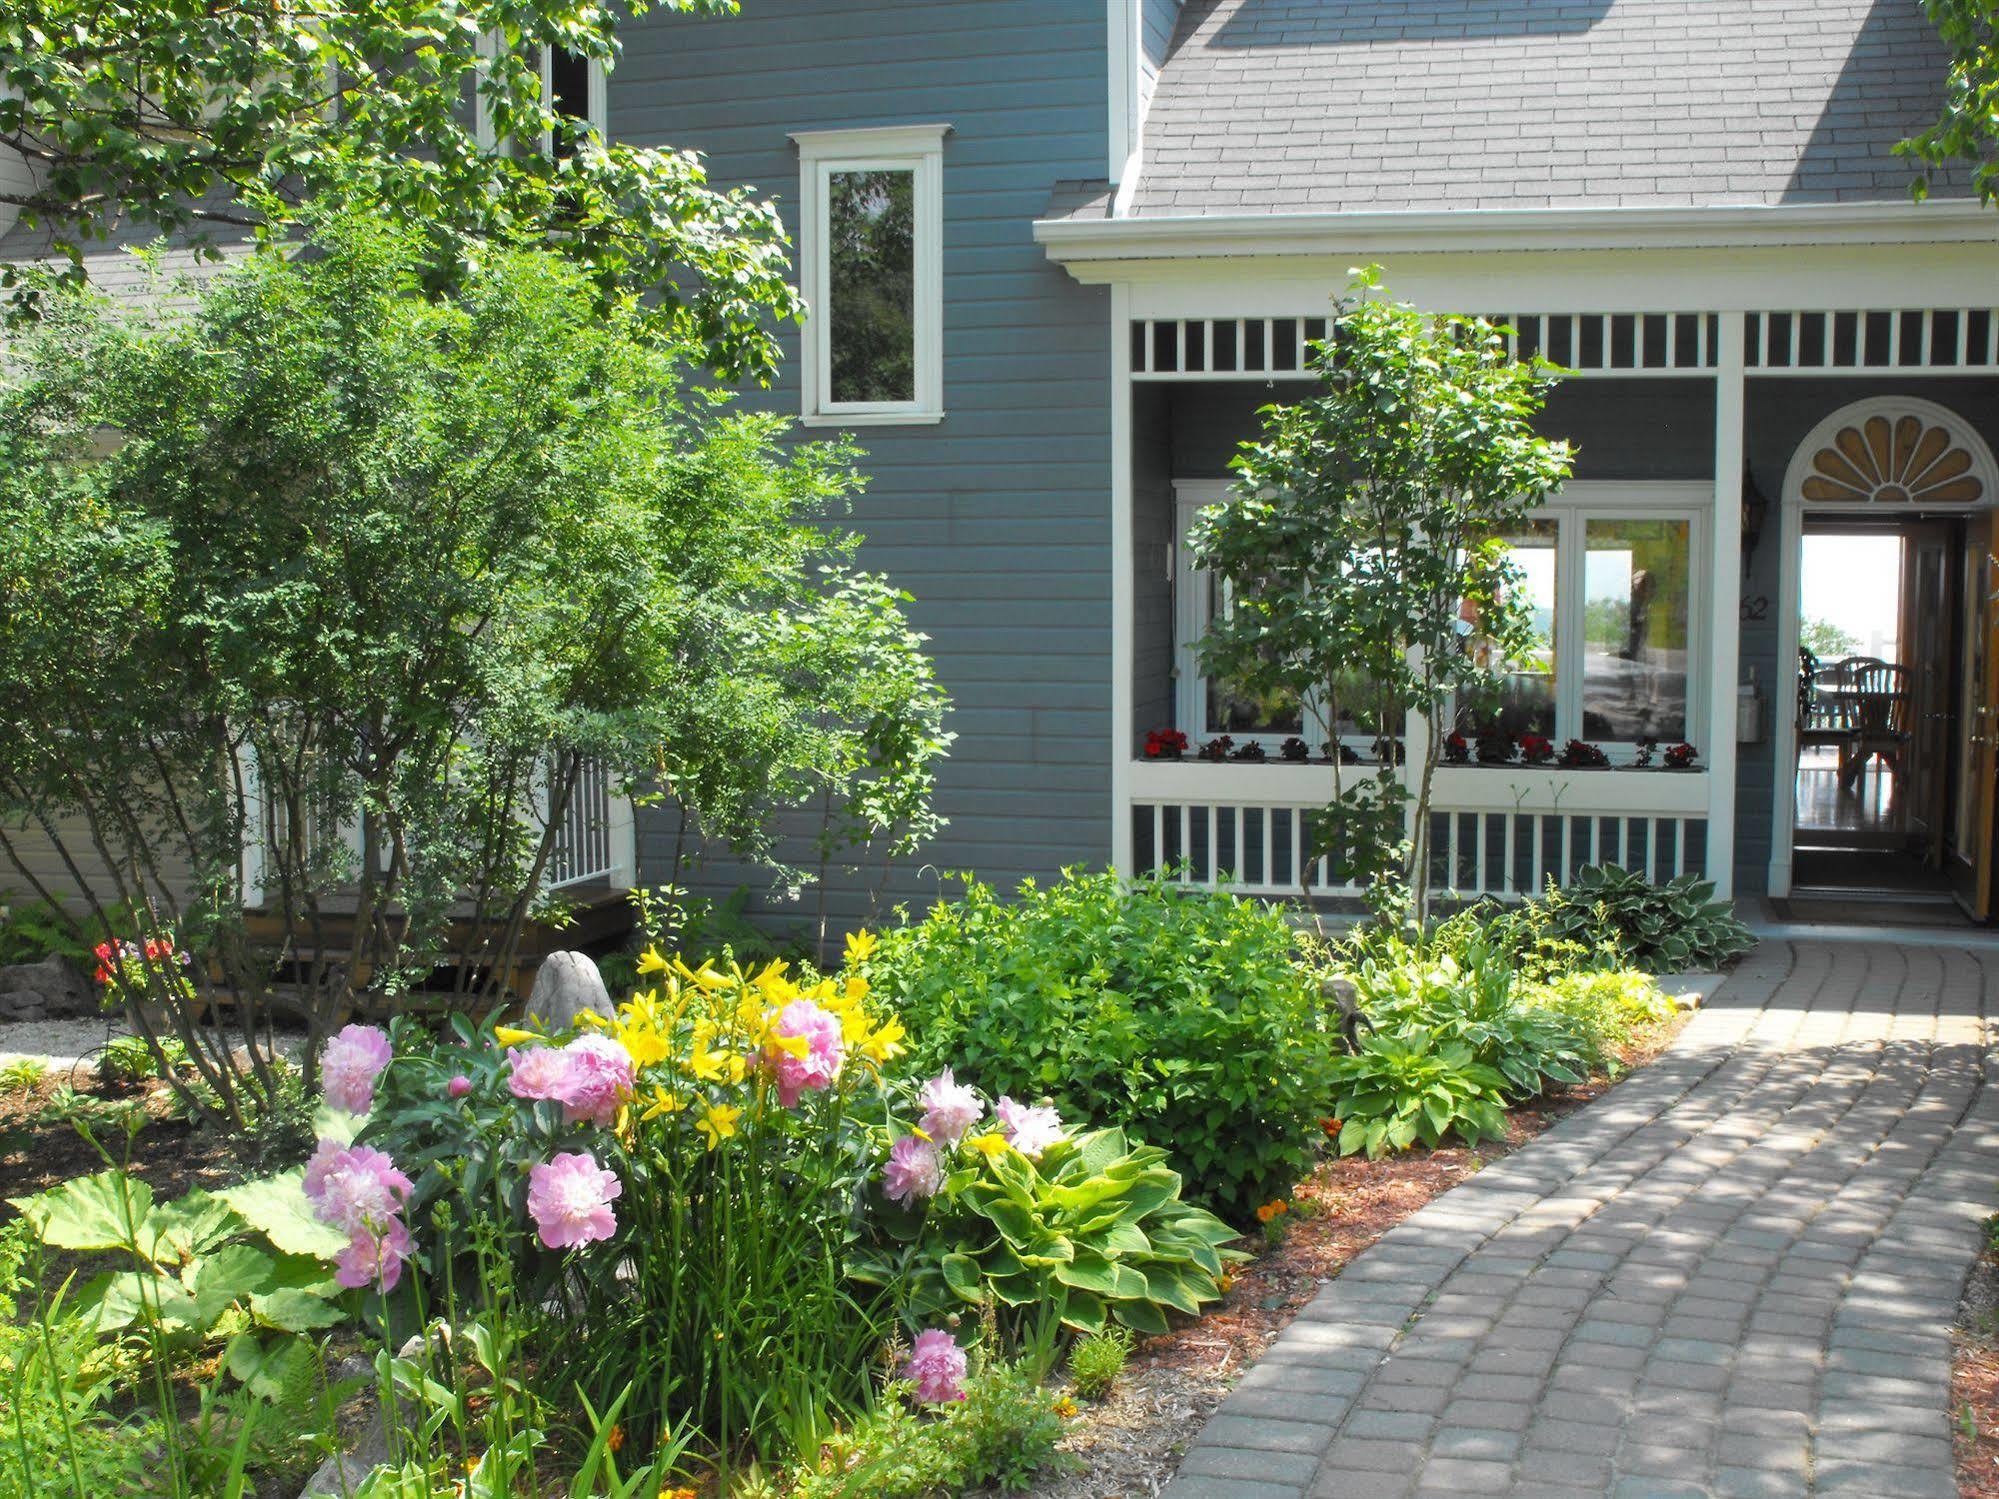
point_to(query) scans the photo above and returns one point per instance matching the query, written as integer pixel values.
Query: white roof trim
(1196, 236)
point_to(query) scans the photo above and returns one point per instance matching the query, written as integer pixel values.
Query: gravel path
(59, 1044)
(1733, 1278)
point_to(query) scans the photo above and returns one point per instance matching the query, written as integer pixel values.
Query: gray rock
(568, 985)
(49, 990)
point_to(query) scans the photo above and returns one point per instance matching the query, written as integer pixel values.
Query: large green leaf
(1089, 1272)
(292, 1310)
(276, 1207)
(105, 1211)
(961, 1274)
(189, 1228)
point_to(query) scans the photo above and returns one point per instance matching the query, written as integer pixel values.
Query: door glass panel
(871, 266)
(1526, 702)
(1637, 591)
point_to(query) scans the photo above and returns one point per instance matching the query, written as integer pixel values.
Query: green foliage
(22, 1074)
(1093, 1232)
(1000, 1436)
(517, 538)
(1967, 130)
(1097, 1362)
(126, 1060)
(31, 930)
(1366, 524)
(1674, 927)
(1181, 1015)
(1471, 1000)
(1607, 1005)
(146, 112)
(1401, 1089)
(194, 1271)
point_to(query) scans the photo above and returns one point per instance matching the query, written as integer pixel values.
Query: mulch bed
(1130, 1445)
(1974, 1383)
(169, 1154)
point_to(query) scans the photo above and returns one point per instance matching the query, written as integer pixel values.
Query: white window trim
(1577, 503)
(596, 101)
(915, 148)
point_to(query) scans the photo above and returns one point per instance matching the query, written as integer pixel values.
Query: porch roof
(1360, 106)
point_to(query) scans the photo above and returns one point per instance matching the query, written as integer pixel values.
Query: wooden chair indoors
(1822, 716)
(1875, 699)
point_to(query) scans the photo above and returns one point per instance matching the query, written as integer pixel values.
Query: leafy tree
(224, 120)
(1967, 130)
(1365, 542)
(327, 552)
(1827, 640)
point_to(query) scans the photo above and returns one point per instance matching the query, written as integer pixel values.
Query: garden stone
(568, 985)
(49, 990)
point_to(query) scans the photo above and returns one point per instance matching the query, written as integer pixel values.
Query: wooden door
(1978, 783)
(1929, 621)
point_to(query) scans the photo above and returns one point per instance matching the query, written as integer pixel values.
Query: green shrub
(35, 929)
(1401, 1089)
(1182, 1015)
(1609, 1005)
(1097, 1362)
(22, 1073)
(1474, 1001)
(1000, 1436)
(1674, 927)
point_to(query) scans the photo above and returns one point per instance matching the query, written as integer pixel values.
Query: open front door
(1978, 799)
(1930, 618)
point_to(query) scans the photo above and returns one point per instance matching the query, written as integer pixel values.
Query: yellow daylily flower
(861, 946)
(988, 1145)
(714, 1066)
(772, 980)
(651, 962)
(718, 1122)
(884, 1043)
(663, 1102)
(512, 1035)
(704, 977)
(857, 988)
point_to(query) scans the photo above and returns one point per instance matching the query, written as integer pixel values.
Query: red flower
(1165, 744)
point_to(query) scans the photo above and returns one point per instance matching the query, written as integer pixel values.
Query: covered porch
(1665, 575)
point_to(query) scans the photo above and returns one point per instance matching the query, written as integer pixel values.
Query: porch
(1664, 576)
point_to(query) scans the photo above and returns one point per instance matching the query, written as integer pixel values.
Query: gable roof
(1336, 106)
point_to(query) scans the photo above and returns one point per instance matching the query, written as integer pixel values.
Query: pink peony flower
(359, 1191)
(354, 1187)
(913, 1170)
(540, 1072)
(569, 1198)
(937, 1365)
(826, 1049)
(1029, 1130)
(599, 1077)
(459, 1086)
(352, 1061)
(371, 1256)
(949, 1108)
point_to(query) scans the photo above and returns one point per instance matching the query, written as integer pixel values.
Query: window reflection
(1232, 707)
(1636, 596)
(1526, 701)
(871, 283)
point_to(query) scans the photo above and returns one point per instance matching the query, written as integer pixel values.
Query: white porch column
(1124, 619)
(1725, 590)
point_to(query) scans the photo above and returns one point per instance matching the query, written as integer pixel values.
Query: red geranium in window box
(1536, 749)
(1165, 744)
(1681, 757)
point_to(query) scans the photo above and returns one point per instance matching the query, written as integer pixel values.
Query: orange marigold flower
(1272, 1209)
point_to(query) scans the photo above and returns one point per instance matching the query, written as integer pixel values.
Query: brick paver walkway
(1733, 1276)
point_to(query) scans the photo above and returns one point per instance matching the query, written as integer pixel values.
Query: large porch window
(1616, 592)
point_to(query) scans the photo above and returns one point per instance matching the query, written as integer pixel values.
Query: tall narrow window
(1526, 700)
(1636, 596)
(573, 87)
(871, 259)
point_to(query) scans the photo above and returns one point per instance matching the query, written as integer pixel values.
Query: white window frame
(596, 100)
(1576, 505)
(918, 149)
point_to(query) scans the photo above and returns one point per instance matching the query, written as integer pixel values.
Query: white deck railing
(1495, 830)
(594, 844)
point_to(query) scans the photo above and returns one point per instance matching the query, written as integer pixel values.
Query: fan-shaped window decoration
(1907, 461)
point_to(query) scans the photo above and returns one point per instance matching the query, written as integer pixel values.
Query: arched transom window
(1905, 459)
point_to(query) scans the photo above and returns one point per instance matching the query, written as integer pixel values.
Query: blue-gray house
(1059, 252)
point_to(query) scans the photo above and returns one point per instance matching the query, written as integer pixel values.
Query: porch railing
(1494, 831)
(593, 845)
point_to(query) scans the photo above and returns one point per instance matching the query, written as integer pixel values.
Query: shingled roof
(1319, 106)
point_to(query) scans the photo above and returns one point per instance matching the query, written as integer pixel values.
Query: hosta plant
(1676, 926)
(1052, 1231)
(1401, 1090)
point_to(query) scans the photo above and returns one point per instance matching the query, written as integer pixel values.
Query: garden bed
(1132, 1443)
(1974, 1382)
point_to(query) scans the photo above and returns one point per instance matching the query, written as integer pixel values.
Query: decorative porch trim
(1907, 340)
(1796, 500)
